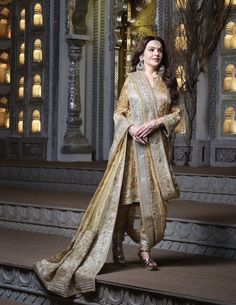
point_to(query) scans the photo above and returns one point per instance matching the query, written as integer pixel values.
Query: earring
(161, 70)
(140, 66)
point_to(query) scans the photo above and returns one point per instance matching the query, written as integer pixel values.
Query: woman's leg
(121, 222)
(143, 238)
(144, 251)
(119, 234)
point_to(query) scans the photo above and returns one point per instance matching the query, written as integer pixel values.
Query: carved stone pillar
(74, 141)
(78, 17)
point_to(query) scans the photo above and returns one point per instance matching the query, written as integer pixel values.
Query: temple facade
(63, 63)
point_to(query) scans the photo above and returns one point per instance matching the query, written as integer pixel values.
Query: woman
(138, 176)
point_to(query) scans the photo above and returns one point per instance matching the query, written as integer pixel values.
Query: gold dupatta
(74, 270)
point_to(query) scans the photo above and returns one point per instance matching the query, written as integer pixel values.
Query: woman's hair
(167, 77)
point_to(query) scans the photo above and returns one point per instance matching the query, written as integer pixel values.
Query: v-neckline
(152, 87)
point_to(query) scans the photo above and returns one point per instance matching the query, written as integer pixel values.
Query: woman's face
(152, 55)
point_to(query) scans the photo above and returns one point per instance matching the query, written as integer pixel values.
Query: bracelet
(156, 123)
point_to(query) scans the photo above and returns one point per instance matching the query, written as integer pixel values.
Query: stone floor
(192, 277)
(204, 227)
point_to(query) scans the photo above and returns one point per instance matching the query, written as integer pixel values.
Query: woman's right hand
(133, 130)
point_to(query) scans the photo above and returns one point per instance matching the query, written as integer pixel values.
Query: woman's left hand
(147, 128)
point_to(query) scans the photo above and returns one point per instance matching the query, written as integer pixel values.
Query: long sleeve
(122, 118)
(172, 119)
(122, 108)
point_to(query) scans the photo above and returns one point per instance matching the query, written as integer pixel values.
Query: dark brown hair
(167, 77)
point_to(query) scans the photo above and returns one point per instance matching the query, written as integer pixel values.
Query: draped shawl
(74, 270)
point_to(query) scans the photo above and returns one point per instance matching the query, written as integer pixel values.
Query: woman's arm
(122, 106)
(169, 122)
(122, 114)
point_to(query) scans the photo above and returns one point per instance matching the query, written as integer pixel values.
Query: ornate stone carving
(40, 219)
(198, 238)
(222, 189)
(48, 7)
(33, 149)
(225, 155)
(23, 286)
(74, 140)
(206, 197)
(78, 17)
(214, 94)
(118, 10)
(37, 228)
(180, 153)
(98, 61)
(201, 234)
(24, 297)
(23, 279)
(163, 16)
(196, 249)
(54, 67)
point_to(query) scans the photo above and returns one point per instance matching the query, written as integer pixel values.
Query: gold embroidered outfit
(135, 172)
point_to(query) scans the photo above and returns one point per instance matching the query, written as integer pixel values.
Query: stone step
(194, 227)
(181, 279)
(4, 301)
(205, 184)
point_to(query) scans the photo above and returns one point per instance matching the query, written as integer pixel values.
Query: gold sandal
(147, 263)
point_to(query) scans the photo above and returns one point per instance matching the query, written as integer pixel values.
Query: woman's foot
(118, 255)
(146, 260)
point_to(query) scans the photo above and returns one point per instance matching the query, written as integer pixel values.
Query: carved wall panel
(23, 286)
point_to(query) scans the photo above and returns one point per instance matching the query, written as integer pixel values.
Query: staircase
(42, 205)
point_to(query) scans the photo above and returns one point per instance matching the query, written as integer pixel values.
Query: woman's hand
(133, 130)
(147, 128)
(141, 133)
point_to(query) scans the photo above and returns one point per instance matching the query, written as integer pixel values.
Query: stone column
(74, 141)
(78, 17)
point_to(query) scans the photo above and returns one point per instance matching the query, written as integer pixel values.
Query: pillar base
(76, 145)
(75, 153)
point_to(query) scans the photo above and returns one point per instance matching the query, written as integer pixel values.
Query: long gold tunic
(130, 188)
(135, 172)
